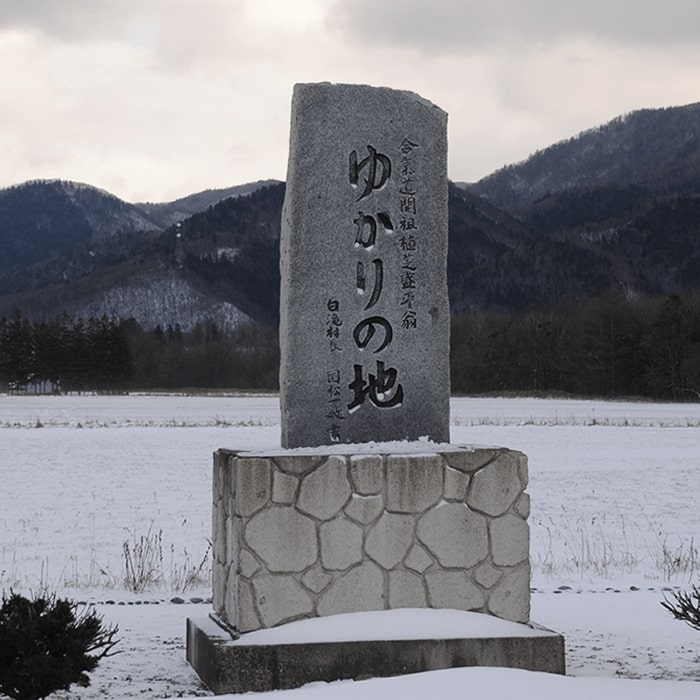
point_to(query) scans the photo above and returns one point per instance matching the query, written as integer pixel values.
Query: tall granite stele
(364, 314)
(366, 505)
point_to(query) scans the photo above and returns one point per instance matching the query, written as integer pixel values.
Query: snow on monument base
(228, 666)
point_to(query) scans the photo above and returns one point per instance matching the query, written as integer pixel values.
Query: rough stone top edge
(368, 449)
(362, 86)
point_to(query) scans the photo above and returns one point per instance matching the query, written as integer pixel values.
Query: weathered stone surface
(367, 474)
(247, 670)
(487, 575)
(247, 616)
(418, 559)
(297, 464)
(365, 205)
(510, 540)
(522, 466)
(510, 598)
(468, 460)
(324, 492)
(362, 588)
(284, 539)
(253, 484)
(222, 472)
(389, 539)
(326, 548)
(280, 598)
(316, 579)
(284, 487)
(218, 579)
(341, 544)
(231, 591)
(219, 526)
(365, 509)
(406, 590)
(522, 505)
(453, 589)
(248, 564)
(456, 483)
(413, 482)
(455, 535)
(233, 531)
(495, 488)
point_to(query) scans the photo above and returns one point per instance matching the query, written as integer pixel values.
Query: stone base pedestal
(240, 666)
(309, 533)
(313, 532)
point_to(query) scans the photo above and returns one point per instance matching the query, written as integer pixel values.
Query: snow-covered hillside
(162, 298)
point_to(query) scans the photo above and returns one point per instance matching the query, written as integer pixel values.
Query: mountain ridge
(616, 207)
(169, 213)
(647, 145)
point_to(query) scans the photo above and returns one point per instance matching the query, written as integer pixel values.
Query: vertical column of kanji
(408, 228)
(335, 415)
(381, 387)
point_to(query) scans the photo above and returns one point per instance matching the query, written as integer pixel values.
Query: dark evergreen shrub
(48, 644)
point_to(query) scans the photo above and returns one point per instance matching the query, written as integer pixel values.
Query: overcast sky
(156, 99)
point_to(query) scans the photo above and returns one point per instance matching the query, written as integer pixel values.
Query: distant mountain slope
(169, 213)
(496, 261)
(659, 250)
(80, 261)
(160, 297)
(224, 261)
(616, 207)
(221, 264)
(656, 147)
(42, 219)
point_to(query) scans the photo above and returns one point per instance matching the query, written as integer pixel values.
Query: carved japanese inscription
(364, 329)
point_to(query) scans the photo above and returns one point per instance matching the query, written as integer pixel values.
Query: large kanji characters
(380, 387)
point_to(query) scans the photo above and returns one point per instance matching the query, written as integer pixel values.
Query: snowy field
(615, 488)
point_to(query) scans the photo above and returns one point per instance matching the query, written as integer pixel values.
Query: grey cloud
(89, 20)
(68, 19)
(178, 33)
(453, 26)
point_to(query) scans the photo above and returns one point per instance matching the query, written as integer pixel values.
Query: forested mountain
(43, 219)
(223, 262)
(220, 264)
(229, 254)
(657, 148)
(620, 201)
(134, 268)
(544, 256)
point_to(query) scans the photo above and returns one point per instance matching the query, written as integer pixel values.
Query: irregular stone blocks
(310, 533)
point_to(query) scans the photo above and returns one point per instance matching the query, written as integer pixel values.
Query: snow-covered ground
(615, 521)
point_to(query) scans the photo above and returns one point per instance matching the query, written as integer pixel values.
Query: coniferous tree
(47, 644)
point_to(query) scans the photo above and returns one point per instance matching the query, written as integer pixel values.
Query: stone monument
(364, 314)
(366, 506)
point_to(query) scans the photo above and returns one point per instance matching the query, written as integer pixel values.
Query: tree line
(64, 354)
(110, 355)
(610, 346)
(205, 357)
